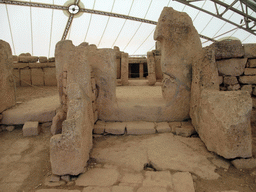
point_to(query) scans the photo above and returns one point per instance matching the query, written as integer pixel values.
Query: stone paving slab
(183, 181)
(140, 127)
(163, 127)
(98, 177)
(115, 128)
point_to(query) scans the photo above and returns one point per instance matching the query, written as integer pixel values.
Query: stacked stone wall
(32, 70)
(238, 73)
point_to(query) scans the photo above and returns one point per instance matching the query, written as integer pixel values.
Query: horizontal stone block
(28, 59)
(247, 79)
(230, 80)
(43, 59)
(20, 65)
(244, 163)
(163, 127)
(233, 87)
(252, 62)
(99, 127)
(116, 128)
(37, 65)
(250, 50)
(140, 127)
(247, 88)
(232, 67)
(250, 71)
(51, 59)
(174, 125)
(16, 74)
(30, 128)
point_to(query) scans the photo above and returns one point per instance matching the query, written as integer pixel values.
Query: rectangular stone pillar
(25, 77)
(151, 68)
(141, 70)
(124, 68)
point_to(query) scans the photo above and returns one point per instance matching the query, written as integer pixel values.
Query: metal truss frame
(247, 18)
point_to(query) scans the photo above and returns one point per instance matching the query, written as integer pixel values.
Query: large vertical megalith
(7, 94)
(151, 68)
(180, 42)
(124, 68)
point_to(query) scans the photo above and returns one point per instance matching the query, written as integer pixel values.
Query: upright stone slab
(233, 67)
(151, 68)
(118, 62)
(69, 151)
(7, 94)
(37, 76)
(124, 68)
(222, 119)
(180, 42)
(50, 76)
(250, 50)
(25, 77)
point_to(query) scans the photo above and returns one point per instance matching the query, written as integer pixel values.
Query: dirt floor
(25, 164)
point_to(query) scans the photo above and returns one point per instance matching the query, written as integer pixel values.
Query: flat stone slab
(41, 110)
(140, 127)
(158, 179)
(163, 127)
(115, 128)
(98, 177)
(30, 128)
(131, 178)
(122, 189)
(96, 189)
(99, 127)
(244, 163)
(182, 181)
(151, 189)
(56, 190)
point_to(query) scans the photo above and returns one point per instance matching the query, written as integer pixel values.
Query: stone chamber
(181, 119)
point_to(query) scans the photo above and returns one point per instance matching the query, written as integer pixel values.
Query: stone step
(185, 129)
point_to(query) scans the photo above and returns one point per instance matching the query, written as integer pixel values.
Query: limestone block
(16, 75)
(159, 73)
(96, 116)
(244, 163)
(247, 88)
(250, 50)
(254, 91)
(174, 125)
(124, 68)
(7, 94)
(163, 127)
(228, 49)
(151, 189)
(37, 77)
(25, 54)
(43, 59)
(99, 127)
(51, 59)
(37, 65)
(151, 69)
(225, 123)
(183, 181)
(232, 67)
(96, 189)
(98, 177)
(10, 128)
(56, 127)
(252, 62)
(230, 80)
(15, 58)
(247, 79)
(250, 71)
(30, 128)
(233, 87)
(122, 189)
(158, 179)
(118, 68)
(25, 77)
(253, 102)
(116, 128)
(178, 48)
(50, 77)
(140, 127)
(50, 64)
(221, 79)
(20, 65)
(28, 59)
(185, 130)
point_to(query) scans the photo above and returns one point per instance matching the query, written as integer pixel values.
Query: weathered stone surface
(230, 80)
(36, 65)
(124, 68)
(233, 87)
(15, 58)
(247, 88)
(51, 59)
(16, 75)
(163, 127)
(122, 189)
(10, 128)
(56, 190)
(232, 67)
(247, 79)
(41, 110)
(250, 50)
(225, 123)
(185, 130)
(50, 77)
(159, 74)
(151, 68)
(20, 65)
(50, 183)
(221, 79)
(221, 162)
(244, 163)
(228, 49)
(174, 125)
(54, 178)
(7, 94)
(158, 179)
(98, 177)
(65, 178)
(250, 71)
(25, 77)
(116, 128)
(96, 189)
(252, 62)
(140, 127)
(56, 127)
(152, 189)
(253, 102)
(37, 77)
(28, 59)
(131, 178)
(179, 44)
(25, 54)
(99, 127)
(69, 151)
(183, 181)
(43, 59)
(30, 128)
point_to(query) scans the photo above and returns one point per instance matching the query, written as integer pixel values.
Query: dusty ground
(24, 161)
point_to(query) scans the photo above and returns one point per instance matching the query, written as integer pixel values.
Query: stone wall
(239, 73)
(32, 70)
